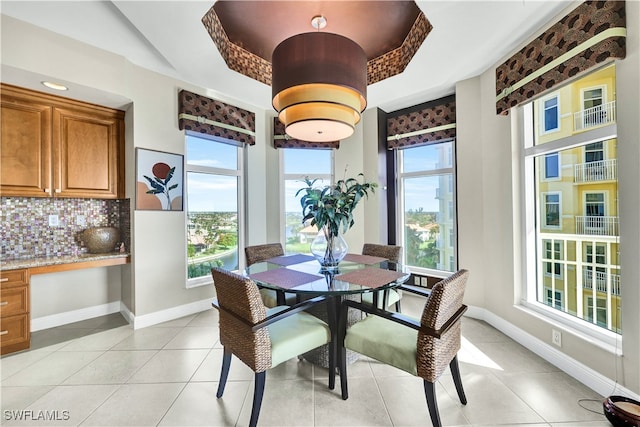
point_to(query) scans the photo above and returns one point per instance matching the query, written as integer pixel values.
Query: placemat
(363, 259)
(284, 277)
(290, 259)
(371, 277)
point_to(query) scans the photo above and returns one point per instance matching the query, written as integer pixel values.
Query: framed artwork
(159, 180)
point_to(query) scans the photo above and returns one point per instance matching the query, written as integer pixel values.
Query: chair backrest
(435, 354)
(259, 253)
(241, 307)
(390, 252)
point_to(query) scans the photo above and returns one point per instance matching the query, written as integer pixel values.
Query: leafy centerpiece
(330, 209)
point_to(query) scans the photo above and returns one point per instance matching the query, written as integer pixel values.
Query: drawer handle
(4, 279)
(57, 190)
(4, 332)
(4, 303)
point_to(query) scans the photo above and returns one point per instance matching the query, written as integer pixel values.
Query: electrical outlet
(556, 337)
(81, 220)
(53, 221)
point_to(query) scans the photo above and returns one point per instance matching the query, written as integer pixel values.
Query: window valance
(592, 33)
(423, 124)
(200, 114)
(282, 140)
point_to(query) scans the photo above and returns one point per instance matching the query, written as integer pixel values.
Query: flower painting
(159, 178)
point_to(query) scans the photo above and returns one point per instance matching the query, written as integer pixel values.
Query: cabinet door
(25, 147)
(87, 153)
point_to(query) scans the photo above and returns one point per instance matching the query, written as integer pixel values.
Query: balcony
(595, 116)
(597, 225)
(602, 170)
(600, 281)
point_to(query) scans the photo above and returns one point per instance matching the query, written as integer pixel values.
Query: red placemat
(363, 259)
(371, 277)
(284, 278)
(290, 259)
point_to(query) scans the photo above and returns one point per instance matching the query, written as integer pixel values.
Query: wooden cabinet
(54, 146)
(15, 321)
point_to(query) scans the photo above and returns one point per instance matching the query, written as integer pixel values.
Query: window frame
(450, 210)
(328, 179)
(543, 110)
(524, 140)
(239, 173)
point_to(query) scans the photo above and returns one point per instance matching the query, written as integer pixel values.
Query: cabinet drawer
(11, 278)
(14, 301)
(14, 333)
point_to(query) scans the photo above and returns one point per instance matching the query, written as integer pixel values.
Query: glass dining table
(355, 276)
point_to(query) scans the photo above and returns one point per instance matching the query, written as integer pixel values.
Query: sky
(217, 193)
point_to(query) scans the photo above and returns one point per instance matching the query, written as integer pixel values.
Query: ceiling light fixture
(56, 86)
(319, 84)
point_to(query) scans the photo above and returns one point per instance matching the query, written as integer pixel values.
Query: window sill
(594, 335)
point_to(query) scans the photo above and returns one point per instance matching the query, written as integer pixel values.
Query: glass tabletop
(302, 274)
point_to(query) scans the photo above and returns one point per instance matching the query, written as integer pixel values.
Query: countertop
(67, 262)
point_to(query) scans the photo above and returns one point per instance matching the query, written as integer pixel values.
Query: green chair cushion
(386, 341)
(270, 298)
(295, 335)
(394, 297)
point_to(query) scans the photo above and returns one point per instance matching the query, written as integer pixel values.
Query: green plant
(331, 207)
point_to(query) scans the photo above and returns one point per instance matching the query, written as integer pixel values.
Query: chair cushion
(270, 298)
(394, 297)
(295, 335)
(386, 341)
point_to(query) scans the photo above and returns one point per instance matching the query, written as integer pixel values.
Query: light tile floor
(101, 372)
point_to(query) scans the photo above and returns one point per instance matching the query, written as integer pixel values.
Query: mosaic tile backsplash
(26, 233)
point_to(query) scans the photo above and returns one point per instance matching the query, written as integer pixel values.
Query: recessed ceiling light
(56, 86)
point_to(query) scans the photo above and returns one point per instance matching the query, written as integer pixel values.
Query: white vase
(329, 249)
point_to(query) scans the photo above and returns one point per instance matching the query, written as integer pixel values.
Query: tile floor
(101, 372)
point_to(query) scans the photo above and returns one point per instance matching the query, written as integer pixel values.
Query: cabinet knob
(46, 190)
(58, 190)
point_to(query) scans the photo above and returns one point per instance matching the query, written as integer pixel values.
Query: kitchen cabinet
(58, 147)
(15, 322)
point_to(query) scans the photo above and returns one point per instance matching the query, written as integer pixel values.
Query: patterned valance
(200, 114)
(282, 140)
(592, 33)
(424, 124)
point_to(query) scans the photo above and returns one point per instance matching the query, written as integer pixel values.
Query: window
(593, 152)
(592, 105)
(298, 164)
(427, 214)
(552, 211)
(214, 187)
(551, 115)
(594, 204)
(552, 166)
(571, 261)
(556, 301)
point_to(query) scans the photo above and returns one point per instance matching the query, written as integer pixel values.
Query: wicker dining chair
(263, 338)
(422, 347)
(258, 253)
(392, 253)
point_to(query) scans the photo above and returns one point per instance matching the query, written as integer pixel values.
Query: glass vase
(329, 249)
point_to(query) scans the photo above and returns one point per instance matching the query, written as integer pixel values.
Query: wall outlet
(556, 337)
(53, 221)
(81, 220)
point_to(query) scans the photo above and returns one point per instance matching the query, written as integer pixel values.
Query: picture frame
(159, 180)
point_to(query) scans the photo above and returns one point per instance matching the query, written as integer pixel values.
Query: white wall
(157, 280)
(489, 215)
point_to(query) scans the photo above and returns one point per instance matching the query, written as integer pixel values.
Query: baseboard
(587, 376)
(53, 320)
(170, 314)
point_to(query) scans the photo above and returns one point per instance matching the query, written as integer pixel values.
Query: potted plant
(330, 209)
